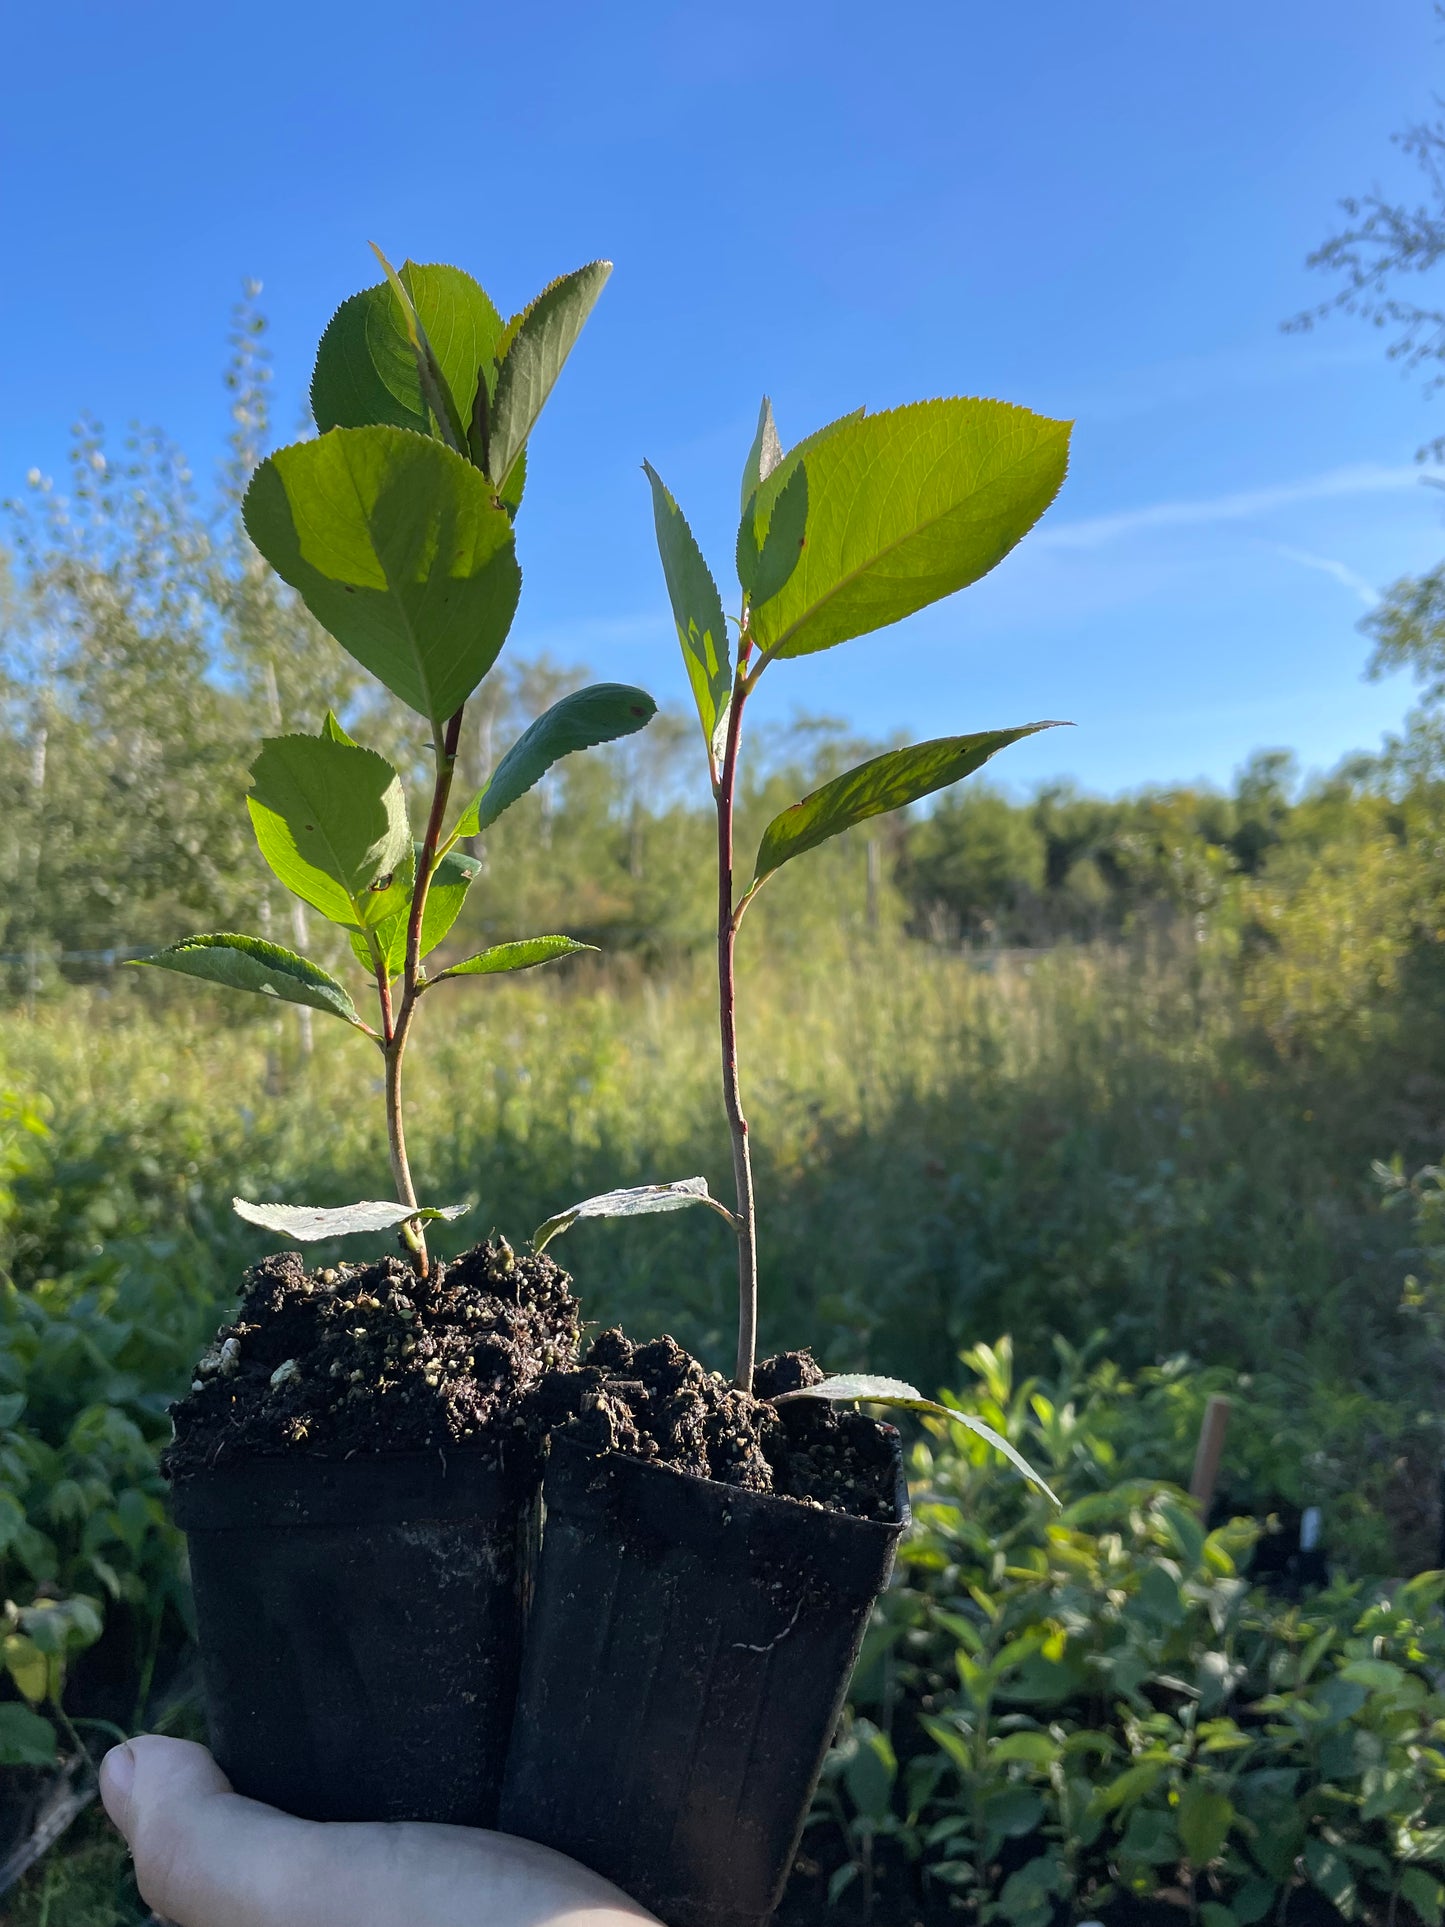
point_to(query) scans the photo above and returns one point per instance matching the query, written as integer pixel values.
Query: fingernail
(117, 1771)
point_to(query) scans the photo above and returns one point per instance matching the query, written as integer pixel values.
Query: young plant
(861, 524)
(394, 526)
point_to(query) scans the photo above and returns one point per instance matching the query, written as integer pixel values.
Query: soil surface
(657, 1402)
(368, 1358)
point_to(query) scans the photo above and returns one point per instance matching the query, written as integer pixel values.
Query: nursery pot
(689, 1648)
(360, 1626)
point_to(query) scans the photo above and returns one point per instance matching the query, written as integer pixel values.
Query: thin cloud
(1093, 532)
(1347, 577)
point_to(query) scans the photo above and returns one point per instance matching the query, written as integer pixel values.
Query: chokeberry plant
(394, 525)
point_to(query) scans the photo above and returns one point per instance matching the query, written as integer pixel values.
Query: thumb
(201, 1852)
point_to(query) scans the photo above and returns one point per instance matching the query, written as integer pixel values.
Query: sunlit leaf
(536, 345)
(250, 963)
(598, 714)
(397, 546)
(1204, 1818)
(640, 1201)
(330, 818)
(864, 1389)
(765, 563)
(366, 370)
(451, 878)
(696, 611)
(307, 1223)
(904, 508)
(521, 955)
(886, 782)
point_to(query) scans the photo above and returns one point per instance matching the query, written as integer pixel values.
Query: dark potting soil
(363, 1358)
(656, 1402)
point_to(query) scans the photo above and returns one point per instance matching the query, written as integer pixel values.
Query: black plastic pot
(688, 1653)
(360, 1626)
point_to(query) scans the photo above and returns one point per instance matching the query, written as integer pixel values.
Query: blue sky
(1099, 211)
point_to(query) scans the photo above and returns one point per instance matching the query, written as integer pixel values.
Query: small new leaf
(764, 568)
(249, 963)
(330, 818)
(764, 455)
(638, 1202)
(366, 366)
(451, 878)
(887, 782)
(598, 714)
(536, 344)
(696, 611)
(863, 1389)
(307, 1223)
(522, 955)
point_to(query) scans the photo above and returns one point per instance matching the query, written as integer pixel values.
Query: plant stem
(395, 1033)
(727, 932)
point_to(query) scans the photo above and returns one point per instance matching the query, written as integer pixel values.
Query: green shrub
(1057, 1711)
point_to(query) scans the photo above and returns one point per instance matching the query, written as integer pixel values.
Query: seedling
(395, 527)
(861, 524)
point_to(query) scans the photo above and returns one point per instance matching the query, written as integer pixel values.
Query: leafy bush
(1057, 1713)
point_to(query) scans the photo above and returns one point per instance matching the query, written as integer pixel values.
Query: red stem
(727, 930)
(395, 1035)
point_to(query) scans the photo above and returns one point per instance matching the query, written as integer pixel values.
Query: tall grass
(1080, 1140)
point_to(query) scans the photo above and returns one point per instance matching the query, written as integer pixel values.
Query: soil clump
(374, 1358)
(656, 1402)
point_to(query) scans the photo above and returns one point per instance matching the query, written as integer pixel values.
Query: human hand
(206, 1857)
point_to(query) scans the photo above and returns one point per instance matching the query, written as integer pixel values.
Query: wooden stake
(1209, 1452)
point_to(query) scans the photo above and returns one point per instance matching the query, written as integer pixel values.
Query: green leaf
(452, 876)
(862, 1388)
(538, 342)
(307, 1223)
(640, 1201)
(1034, 1749)
(598, 714)
(764, 455)
(696, 611)
(27, 1666)
(1331, 1872)
(249, 963)
(1204, 1819)
(25, 1738)
(366, 368)
(12, 1404)
(521, 955)
(332, 730)
(887, 782)
(869, 1776)
(330, 818)
(397, 546)
(905, 508)
(765, 568)
(1423, 1894)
